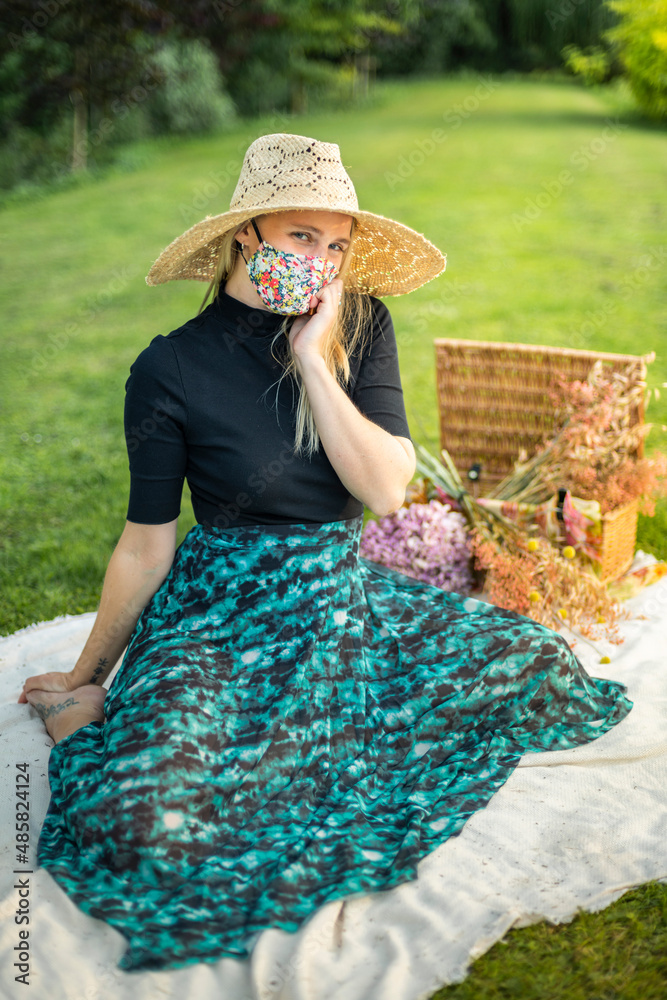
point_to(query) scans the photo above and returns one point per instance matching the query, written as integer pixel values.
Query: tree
(530, 34)
(640, 39)
(441, 34)
(275, 53)
(88, 55)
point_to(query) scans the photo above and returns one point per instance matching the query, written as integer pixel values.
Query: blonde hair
(350, 332)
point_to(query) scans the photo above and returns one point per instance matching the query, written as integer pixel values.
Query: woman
(291, 723)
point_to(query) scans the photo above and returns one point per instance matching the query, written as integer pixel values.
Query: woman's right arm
(138, 566)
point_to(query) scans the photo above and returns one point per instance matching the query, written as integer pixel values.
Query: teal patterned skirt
(293, 724)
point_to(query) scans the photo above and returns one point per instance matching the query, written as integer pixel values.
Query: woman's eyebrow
(314, 229)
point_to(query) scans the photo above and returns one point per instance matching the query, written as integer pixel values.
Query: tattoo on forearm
(46, 711)
(99, 669)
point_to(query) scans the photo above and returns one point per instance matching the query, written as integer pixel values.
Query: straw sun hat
(284, 172)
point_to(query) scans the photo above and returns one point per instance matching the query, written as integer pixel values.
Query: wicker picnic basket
(493, 401)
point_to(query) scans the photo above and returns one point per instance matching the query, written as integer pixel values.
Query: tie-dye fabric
(292, 724)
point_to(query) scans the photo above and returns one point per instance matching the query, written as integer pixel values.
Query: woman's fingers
(53, 681)
(330, 295)
(318, 321)
(335, 290)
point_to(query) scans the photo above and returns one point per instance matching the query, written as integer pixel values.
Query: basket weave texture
(493, 401)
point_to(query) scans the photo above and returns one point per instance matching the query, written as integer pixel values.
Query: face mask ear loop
(259, 235)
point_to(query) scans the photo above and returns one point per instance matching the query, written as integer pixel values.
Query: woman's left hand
(308, 334)
(56, 680)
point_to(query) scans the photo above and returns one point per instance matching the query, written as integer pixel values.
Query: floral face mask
(286, 281)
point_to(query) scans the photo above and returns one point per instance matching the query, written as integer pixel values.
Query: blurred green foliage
(640, 38)
(192, 97)
(114, 73)
(491, 35)
(121, 72)
(593, 65)
(636, 46)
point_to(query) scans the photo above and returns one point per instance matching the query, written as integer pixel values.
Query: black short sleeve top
(204, 404)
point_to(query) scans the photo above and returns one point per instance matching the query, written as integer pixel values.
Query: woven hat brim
(387, 257)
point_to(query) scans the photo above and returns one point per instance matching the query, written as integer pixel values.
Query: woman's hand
(54, 681)
(308, 334)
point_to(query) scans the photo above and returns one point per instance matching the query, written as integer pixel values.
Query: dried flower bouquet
(523, 571)
(535, 539)
(597, 452)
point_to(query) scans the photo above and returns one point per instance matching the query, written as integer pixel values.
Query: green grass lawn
(550, 202)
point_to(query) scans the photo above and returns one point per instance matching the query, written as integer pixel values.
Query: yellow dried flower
(605, 659)
(534, 596)
(532, 544)
(562, 613)
(569, 552)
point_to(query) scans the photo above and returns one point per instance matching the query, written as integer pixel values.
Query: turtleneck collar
(238, 317)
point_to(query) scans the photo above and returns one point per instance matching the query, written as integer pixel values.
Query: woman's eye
(332, 246)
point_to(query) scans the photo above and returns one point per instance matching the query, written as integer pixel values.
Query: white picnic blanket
(569, 830)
